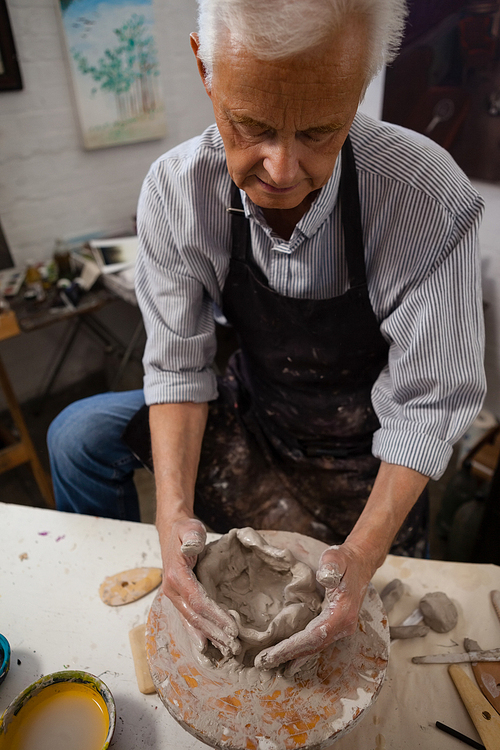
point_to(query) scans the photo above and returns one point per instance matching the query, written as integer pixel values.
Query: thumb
(193, 538)
(330, 569)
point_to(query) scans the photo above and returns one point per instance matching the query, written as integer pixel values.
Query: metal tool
(461, 658)
(415, 618)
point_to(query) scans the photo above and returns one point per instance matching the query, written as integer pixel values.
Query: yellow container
(62, 710)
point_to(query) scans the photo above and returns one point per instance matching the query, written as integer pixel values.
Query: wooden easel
(22, 450)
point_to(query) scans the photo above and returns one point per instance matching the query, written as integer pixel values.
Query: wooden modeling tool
(137, 638)
(487, 675)
(486, 720)
(130, 585)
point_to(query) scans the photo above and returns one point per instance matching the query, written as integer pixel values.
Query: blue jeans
(92, 468)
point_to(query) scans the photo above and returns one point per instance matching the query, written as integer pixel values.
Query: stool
(22, 450)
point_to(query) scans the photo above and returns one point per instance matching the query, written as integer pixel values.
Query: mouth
(275, 190)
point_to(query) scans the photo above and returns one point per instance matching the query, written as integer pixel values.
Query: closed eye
(319, 135)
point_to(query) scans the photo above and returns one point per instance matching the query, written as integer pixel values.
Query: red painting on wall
(445, 82)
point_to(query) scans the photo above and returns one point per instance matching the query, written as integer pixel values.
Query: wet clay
(401, 632)
(439, 612)
(270, 594)
(226, 701)
(391, 594)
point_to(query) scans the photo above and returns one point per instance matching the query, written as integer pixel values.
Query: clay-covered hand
(345, 576)
(204, 617)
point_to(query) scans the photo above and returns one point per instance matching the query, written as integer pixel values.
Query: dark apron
(288, 442)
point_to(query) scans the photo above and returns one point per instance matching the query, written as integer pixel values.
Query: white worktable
(51, 566)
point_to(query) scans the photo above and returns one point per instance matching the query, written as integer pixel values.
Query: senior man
(343, 253)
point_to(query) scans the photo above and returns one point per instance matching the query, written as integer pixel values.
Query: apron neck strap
(350, 211)
(240, 226)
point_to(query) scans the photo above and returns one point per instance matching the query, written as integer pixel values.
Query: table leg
(56, 367)
(22, 451)
(127, 354)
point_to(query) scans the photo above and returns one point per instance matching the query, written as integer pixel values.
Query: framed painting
(115, 71)
(445, 83)
(10, 74)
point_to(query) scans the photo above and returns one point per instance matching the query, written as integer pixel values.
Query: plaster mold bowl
(267, 581)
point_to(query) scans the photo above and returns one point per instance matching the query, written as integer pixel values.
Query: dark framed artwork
(5, 256)
(10, 74)
(445, 83)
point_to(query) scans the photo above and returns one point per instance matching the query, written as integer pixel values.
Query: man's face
(283, 122)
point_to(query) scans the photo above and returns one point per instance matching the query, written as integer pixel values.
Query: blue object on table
(4, 657)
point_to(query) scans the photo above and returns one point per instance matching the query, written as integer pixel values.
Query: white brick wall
(51, 187)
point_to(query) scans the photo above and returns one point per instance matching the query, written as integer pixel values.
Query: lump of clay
(270, 594)
(439, 612)
(401, 632)
(391, 594)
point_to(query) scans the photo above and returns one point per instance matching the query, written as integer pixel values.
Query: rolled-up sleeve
(176, 306)
(434, 383)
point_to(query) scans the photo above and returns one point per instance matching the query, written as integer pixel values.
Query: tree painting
(115, 68)
(127, 71)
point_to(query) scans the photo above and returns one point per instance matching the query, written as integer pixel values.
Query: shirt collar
(320, 210)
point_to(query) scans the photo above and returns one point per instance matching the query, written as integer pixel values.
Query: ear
(195, 46)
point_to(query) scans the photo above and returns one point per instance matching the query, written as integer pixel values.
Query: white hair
(276, 29)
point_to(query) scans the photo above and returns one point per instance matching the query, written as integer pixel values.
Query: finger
(329, 575)
(196, 636)
(300, 645)
(207, 616)
(227, 644)
(306, 663)
(193, 542)
(209, 610)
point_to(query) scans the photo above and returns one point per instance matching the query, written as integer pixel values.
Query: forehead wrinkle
(254, 97)
(330, 87)
(272, 111)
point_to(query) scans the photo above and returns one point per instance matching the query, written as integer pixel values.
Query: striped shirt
(420, 218)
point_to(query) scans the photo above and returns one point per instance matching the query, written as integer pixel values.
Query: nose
(281, 162)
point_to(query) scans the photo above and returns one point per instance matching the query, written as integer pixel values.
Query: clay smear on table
(267, 581)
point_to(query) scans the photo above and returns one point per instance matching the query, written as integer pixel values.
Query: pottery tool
(459, 736)
(487, 675)
(137, 638)
(473, 655)
(486, 721)
(236, 705)
(461, 658)
(130, 585)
